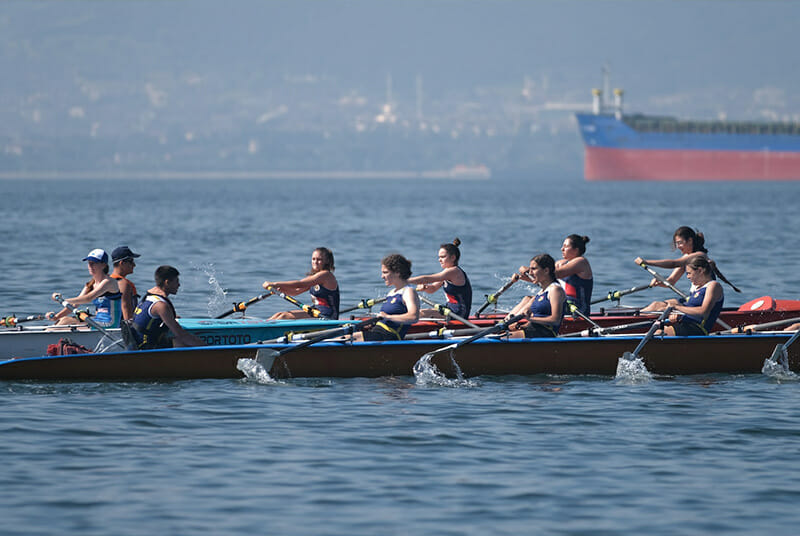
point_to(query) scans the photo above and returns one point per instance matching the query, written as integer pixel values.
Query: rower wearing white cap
(101, 290)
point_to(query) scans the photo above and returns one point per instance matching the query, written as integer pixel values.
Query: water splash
(219, 295)
(776, 366)
(631, 370)
(255, 372)
(428, 374)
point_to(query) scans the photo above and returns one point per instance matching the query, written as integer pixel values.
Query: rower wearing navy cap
(124, 263)
(101, 290)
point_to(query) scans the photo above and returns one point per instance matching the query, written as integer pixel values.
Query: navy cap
(122, 253)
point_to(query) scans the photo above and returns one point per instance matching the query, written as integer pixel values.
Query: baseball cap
(97, 255)
(122, 253)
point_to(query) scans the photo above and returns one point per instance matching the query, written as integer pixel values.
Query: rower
(155, 323)
(700, 309)
(545, 310)
(101, 290)
(124, 263)
(401, 308)
(320, 283)
(452, 280)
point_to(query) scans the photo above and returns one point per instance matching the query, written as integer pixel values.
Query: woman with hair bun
(452, 280)
(698, 311)
(545, 310)
(691, 244)
(573, 271)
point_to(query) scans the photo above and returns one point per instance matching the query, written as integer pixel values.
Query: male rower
(124, 263)
(155, 323)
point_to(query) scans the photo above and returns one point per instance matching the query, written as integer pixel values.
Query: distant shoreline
(239, 175)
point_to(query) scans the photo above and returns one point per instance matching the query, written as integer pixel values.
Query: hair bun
(457, 242)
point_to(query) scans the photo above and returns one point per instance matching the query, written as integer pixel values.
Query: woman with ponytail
(452, 280)
(691, 244)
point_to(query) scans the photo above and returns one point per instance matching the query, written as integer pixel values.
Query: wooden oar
(500, 326)
(492, 298)
(241, 306)
(313, 311)
(266, 356)
(11, 321)
(86, 317)
(661, 279)
(615, 295)
(364, 304)
(445, 312)
(635, 355)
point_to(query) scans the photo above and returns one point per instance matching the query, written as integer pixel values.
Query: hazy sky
(651, 46)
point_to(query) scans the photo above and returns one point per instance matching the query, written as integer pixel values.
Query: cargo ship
(644, 147)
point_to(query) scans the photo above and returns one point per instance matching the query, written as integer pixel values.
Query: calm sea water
(556, 455)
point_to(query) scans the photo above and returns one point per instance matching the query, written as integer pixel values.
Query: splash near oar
(12, 320)
(631, 367)
(308, 309)
(615, 295)
(492, 298)
(778, 362)
(364, 304)
(242, 306)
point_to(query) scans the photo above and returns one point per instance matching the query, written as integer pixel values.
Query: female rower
(320, 283)
(573, 271)
(545, 310)
(401, 308)
(452, 280)
(700, 309)
(691, 245)
(101, 290)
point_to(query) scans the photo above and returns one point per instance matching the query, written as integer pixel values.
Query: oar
(11, 321)
(615, 295)
(313, 311)
(765, 326)
(492, 298)
(500, 326)
(266, 356)
(660, 278)
(608, 330)
(86, 317)
(241, 306)
(780, 354)
(635, 355)
(445, 312)
(364, 304)
(575, 311)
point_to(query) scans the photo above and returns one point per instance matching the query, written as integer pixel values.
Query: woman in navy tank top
(545, 310)
(319, 282)
(698, 312)
(452, 279)
(401, 308)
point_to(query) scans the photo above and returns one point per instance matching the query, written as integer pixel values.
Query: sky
(651, 46)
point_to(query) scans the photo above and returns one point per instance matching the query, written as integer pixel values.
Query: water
(556, 455)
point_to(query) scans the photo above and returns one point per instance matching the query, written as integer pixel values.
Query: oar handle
(492, 298)
(241, 306)
(364, 304)
(615, 295)
(446, 311)
(344, 330)
(12, 320)
(83, 316)
(313, 311)
(661, 279)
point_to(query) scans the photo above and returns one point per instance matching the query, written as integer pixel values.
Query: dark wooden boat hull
(668, 356)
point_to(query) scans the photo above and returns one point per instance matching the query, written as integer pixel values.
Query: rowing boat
(31, 341)
(596, 356)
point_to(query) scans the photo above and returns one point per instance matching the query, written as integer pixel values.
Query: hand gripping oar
(597, 328)
(635, 355)
(241, 306)
(445, 312)
(615, 295)
(313, 311)
(364, 304)
(500, 326)
(660, 278)
(492, 298)
(86, 317)
(11, 321)
(266, 356)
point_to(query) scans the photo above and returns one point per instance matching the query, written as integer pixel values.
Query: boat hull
(594, 356)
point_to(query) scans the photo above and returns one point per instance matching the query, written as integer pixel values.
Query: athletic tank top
(394, 305)
(459, 297)
(107, 310)
(695, 299)
(327, 301)
(579, 292)
(541, 307)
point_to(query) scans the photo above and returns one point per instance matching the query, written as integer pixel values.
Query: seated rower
(155, 323)
(101, 290)
(124, 262)
(545, 310)
(401, 308)
(573, 272)
(452, 280)
(691, 244)
(320, 283)
(701, 309)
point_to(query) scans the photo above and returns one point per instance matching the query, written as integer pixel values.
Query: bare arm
(181, 337)
(411, 299)
(298, 286)
(713, 295)
(578, 265)
(127, 299)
